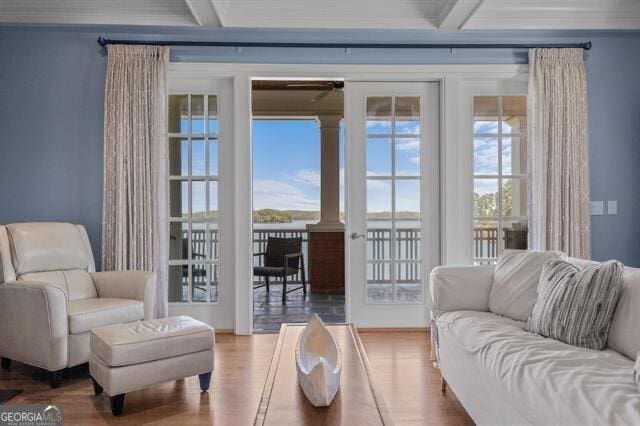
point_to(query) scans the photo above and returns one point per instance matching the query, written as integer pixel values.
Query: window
(393, 145)
(193, 198)
(500, 176)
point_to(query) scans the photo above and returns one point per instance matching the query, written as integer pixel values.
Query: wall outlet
(597, 208)
(612, 207)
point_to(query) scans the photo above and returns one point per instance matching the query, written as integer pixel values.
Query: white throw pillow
(515, 282)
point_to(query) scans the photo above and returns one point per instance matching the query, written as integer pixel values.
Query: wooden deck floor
(400, 361)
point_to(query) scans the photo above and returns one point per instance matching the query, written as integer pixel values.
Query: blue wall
(51, 111)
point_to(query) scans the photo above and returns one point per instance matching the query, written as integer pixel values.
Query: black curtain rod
(586, 45)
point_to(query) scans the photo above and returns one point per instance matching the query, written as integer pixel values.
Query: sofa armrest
(137, 285)
(34, 327)
(457, 288)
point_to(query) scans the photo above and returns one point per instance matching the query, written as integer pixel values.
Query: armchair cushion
(137, 285)
(76, 283)
(43, 246)
(87, 314)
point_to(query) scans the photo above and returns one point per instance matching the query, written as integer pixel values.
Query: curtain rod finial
(587, 45)
(102, 41)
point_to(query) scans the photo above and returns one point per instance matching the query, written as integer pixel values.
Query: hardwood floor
(400, 362)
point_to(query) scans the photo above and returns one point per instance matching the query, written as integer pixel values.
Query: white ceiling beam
(205, 12)
(456, 13)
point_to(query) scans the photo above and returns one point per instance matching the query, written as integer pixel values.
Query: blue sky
(286, 164)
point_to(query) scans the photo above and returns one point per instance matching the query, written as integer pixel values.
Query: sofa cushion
(624, 334)
(87, 314)
(126, 344)
(576, 305)
(515, 282)
(76, 283)
(544, 380)
(43, 246)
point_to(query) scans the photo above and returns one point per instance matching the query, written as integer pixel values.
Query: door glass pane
(407, 199)
(212, 211)
(514, 115)
(379, 287)
(178, 114)
(485, 114)
(378, 199)
(198, 199)
(485, 240)
(408, 240)
(407, 157)
(198, 241)
(514, 156)
(514, 202)
(197, 157)
(212, 249)
(178, 241)
(214, 283)
(408, 107)
(379, 240)
(199, 282)
(379, 111)
(178, 157)
(178, 283)
(514, 234)
(485, 197)
(197, 114)
(378, 157)
(485, 156)
(213, 157)
(179, 198)
(212, 121)
(409, 282)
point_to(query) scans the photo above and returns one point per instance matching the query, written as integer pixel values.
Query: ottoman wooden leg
(205, 381)
(97, 389)
(117, 402)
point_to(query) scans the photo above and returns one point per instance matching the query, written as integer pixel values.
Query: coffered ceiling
(446, 15)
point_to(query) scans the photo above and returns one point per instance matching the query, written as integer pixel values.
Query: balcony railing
(407, 247)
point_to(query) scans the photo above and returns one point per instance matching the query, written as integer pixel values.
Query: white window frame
(500, 218)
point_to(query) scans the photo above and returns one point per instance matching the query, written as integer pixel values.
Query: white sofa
(504, 375)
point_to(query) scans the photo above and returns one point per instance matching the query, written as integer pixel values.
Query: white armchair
(51, 297)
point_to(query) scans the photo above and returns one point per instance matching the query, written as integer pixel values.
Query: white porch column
(329, 174)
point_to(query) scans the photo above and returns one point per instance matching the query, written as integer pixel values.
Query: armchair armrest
(137, 285)
(457, 288)
(34, 324)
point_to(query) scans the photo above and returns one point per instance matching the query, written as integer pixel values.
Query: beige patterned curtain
(134, 201)
(559, 194)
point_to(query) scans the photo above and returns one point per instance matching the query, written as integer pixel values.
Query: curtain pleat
(559, 191)
(134, 200)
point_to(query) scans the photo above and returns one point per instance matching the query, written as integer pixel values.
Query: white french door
(392, 190)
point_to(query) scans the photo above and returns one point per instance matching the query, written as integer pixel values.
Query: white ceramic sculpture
(318, 363)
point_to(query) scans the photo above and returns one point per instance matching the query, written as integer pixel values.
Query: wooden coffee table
(358, 402)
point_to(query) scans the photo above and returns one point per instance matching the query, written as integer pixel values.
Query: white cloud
(307, 176)
(408, 145)
(281, 195)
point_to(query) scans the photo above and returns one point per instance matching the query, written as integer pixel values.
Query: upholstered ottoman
(128, 357)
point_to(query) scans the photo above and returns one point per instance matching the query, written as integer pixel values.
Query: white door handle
(355, 236)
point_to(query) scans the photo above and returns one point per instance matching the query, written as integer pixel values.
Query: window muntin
(193, 198)
(500, 176)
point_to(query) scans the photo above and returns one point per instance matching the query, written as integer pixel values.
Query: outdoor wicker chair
(283, 258)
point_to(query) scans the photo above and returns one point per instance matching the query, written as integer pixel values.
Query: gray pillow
(515, 282)
(576, 305)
